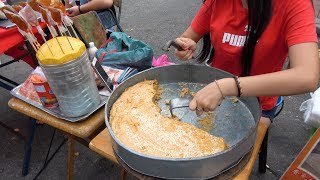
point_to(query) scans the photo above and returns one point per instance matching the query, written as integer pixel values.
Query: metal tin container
(238, 127)
(74, 86)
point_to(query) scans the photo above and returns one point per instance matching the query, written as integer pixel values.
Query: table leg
(27, 147)
(262, 129)
(123, 174)
(263, 154)
(70, 166)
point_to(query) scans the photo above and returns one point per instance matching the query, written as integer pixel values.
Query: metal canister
(74, 86)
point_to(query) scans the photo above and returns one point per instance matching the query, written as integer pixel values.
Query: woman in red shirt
(275, 29)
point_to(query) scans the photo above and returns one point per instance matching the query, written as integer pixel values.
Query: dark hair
(259, 14)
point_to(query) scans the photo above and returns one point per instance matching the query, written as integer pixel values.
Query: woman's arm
(91, 6)
(302, 77)
(96, 5)
(190, 33)
(188, 41)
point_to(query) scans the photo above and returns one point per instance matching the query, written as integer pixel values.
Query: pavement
(154, 22)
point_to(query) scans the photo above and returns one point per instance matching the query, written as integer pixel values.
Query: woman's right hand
(188, 46)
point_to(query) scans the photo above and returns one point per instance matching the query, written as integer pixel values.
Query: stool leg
(263, 154)
(27, 147)
(70, 156)
(123, 174)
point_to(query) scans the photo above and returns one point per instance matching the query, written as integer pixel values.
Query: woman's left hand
(207, 99)
(74, 11)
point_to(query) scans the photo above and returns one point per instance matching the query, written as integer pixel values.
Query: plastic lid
(91, 44)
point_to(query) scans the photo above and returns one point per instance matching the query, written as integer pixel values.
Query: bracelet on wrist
(236, 79)
(223, 97)
(80, 12)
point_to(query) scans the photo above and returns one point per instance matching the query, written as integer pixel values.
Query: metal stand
(47, 161)
(27, 147)
(263, 154)
(70, 162)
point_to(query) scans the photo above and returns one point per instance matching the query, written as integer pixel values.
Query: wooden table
(307, 164)
(102, 145)
(75, 131)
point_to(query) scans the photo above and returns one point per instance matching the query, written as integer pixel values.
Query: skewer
(64, 25)
(65, 36)
(69, 42)
(45, 41)
(52, 34)
(55, 38)
(60, 45)
(36, 43)
(74, 31)
(68, 22)
(34, 48)
(59, 29)
(41, 52)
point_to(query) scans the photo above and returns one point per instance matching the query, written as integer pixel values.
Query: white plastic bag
(311, 108)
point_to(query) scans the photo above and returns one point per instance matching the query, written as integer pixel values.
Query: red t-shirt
(292, 22)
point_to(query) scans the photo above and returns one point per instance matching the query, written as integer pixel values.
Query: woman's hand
(188, 46)
(73, 11)
(207, 99)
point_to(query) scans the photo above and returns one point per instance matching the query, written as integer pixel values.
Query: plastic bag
(122, 51)
(161, 61)
(311, 109)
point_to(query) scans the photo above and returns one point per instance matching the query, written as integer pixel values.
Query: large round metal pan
(235, 121)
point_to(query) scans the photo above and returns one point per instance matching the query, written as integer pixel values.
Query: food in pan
(206, 121)
(137, 122)
(184, 92)
(59, 57)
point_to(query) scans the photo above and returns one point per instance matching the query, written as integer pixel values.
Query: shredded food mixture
(207, 121)
(137, 122)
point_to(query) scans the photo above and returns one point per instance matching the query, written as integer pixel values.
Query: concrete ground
(154, 22)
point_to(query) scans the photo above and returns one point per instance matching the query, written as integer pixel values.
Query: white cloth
(311, 108)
